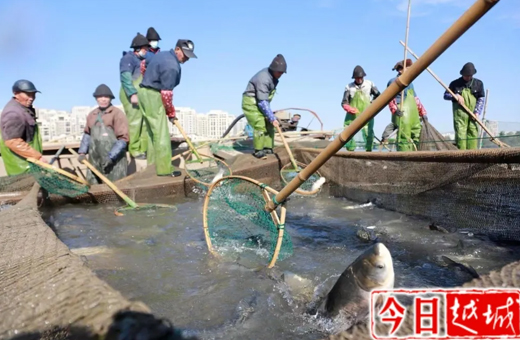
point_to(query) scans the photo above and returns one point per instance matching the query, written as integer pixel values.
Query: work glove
(398, 112)
(82, 158)
(108, 165)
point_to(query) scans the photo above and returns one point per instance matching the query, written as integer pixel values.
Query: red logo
(445, 314)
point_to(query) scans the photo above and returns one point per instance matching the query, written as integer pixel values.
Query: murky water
(163, 261)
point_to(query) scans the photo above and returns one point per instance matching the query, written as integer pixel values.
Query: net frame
(287, 168)
(203, 157)
(278, 220)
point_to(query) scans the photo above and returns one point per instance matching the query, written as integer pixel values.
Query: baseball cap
(187, 47)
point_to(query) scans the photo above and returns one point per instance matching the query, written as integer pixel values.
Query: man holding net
(105, 138)
(406, 117)
(355, 99)
(256, 100)
(469, 91)
(20, 136)
(163, 74)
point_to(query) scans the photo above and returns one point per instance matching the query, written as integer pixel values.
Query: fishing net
(55, 182)
(432, 140)
(310, 187)
(205, 169)
(236, 224)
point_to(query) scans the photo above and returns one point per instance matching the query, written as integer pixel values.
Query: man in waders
(105, 138)
(256, 100)
(407, 120)
(130, 75)
(162, 75)
(355, 99)
(20, 136)
(469, 91)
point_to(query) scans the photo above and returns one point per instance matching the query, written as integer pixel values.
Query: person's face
(277, 75)
(25, 98)
(180, 55)
(358, 80)
(103, 101)
(295, 118)
(400, 70)
(467, 78)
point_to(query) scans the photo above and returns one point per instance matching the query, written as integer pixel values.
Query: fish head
(376, 269)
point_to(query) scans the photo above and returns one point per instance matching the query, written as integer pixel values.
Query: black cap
(278, 64)
(139, 41)
(187, 47)
(152, 34)
(24, 85)
(358, 72)
(468, 70)
(103, 91)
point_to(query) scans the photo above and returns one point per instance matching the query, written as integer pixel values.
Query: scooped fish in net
(310, 187)
(206, 169)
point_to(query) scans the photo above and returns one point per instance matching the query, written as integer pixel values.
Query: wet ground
(162, 260)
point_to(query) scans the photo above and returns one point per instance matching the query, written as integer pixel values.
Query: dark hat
(23, 85)
(139, 41)
(278, 64)
(468, 70)
(103, 91)
(400, 64)
(187, 47)
(152, 34)
(358, 72)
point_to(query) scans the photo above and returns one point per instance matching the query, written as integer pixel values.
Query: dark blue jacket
(130, 63)
(163, 72)
(398, 97)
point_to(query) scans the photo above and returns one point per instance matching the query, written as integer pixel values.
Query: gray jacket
(261, 85)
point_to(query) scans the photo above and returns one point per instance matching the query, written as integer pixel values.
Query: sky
(67, 48)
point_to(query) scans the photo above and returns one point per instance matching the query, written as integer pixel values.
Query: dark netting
(22, 182)
(237, 223)
(476, 190)
(432, 140)
(56, 183)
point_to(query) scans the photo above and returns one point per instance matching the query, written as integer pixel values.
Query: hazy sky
(67, 48)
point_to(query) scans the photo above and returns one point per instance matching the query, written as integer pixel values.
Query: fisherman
(408, 119)
(256, 100)
(105, 138)
(153, 39)
(292, 124)
(469, 91)
(355, 99)
(20, 135)
(163, 74)
(130, 75)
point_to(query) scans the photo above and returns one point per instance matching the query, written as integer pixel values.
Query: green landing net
(311, 186)
(205, 170)
(237, 226)
(55, 182)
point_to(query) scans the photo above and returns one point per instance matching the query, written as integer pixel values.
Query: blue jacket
(398, 97)
(130, 63)
(163, 72)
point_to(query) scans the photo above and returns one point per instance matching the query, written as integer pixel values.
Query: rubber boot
(259, 154)
(268, 151)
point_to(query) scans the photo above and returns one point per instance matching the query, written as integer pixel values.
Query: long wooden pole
(188, 140)
(107, 182)
(287, 148)
(483, 120)
(468, 19)
(404, 68)
(468, 111)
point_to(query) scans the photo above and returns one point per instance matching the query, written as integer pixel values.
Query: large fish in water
(348, 301)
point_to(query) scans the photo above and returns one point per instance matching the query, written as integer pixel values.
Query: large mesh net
(56, 183)
(205, 169)
(309, 187)
(237, 224)
(432, 140)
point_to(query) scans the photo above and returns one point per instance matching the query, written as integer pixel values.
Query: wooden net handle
(58, 170)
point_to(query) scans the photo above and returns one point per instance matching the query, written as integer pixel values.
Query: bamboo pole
(188, 140)
(468, 19)
(107, 182)
(468, 111)
(58, 170)
(483, 120)
(404, 67)
(287, 148)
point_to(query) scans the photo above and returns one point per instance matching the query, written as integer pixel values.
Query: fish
(349, 299)
(359, 206)
(218, 176)
(462, 266)
(316, 185)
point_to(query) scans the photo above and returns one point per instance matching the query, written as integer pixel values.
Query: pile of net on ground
(238, 223)
(477, 190)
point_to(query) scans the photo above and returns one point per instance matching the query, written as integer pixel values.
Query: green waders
(360, 102)
(466, 129)
(159, 141)
(263, 130)
(136, 124)
(102, 138)
(14, 164)
(409, 124)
